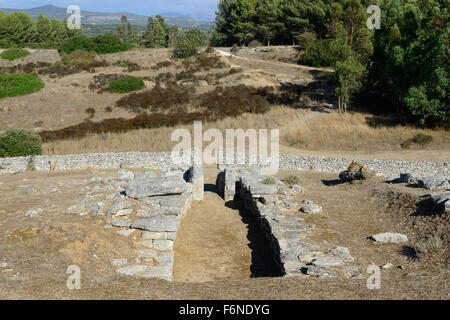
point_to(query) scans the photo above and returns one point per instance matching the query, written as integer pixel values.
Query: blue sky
(135, 6)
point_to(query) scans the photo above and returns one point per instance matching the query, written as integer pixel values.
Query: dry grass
(159, 139)
(351, 132)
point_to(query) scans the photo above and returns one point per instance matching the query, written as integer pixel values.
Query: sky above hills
(145, 7)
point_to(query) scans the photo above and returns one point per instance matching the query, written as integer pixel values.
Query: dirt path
(212, 244)
(279, 64)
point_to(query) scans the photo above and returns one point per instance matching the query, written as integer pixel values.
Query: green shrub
(269, 180)
(291, 179)
(78, 57)
(14, 53)
(20, 143)
(19, 84)
(5, 44)
(422, 139)
(101, 44)
(189, 43)
(126, 84)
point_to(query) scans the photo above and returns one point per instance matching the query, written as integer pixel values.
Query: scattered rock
(389, 237)
(341, 252)
(318, 272)
(311, 208)
(34, 212)
(308, 257)
(124, 212)
(327, 262)
(117, 205)
(298, 188)
(97, 208)
(289, 201)
(387, 266)
(121, 223)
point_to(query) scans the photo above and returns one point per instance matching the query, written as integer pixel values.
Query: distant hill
(102, 18)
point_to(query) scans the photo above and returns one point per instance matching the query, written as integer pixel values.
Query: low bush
(14, 53)
(254, 44)
(269, 180)
(78, 57)
(102, 44)
(157, 99)
(19, 143)
(126, 84)
(291, 179)
(422, 139)
(407, 144)
(19, 84)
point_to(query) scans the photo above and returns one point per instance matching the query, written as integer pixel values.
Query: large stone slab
(157, 224)
(433, 183)
(155, 187)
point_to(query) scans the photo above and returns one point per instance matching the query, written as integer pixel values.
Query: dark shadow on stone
(408, 251)
(332, 183)
(427, 207)
(210, 187)
(263, 264)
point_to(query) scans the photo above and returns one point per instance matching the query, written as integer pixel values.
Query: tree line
(405, 62)
(20, 29)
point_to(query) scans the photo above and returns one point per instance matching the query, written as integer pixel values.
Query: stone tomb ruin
(166, 200)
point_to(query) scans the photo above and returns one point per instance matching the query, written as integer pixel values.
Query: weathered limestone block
(157, 224)
(155, 187)
(433, 182)
(230, 184)
(389, 237)
(196, 177)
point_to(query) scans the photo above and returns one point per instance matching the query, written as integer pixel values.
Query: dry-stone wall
(162, 160)
(280, 221)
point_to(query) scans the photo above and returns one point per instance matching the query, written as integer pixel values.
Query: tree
(348, 76)
(268, 24)
(188, 43)
(44, 29)
(157, 33)
(125, 32)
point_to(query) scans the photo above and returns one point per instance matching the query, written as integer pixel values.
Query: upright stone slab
(197, 179)
(230, 184)
(220, 183)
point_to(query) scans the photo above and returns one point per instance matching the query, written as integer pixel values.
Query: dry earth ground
(216, 246)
